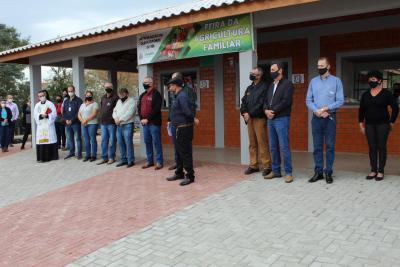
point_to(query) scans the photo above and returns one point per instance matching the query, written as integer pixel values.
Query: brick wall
(349, 138)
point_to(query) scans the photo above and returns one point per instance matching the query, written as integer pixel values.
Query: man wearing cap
(182, 118)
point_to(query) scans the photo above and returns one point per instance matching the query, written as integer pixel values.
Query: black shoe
(92, 159)
(85, 160)
(175, 177)
(186, 181)
(378, 178)
(173, 167)
(130, 164)
(121, 164)
(369, 177)
(316, 177)
(104, 161)
(69, 156)
(328, 178)
(250, 171)
(266, 172)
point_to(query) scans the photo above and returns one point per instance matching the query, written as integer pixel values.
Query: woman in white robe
(46, 138)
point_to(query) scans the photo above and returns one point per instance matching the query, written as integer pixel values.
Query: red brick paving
(15, 149)
(63, 225)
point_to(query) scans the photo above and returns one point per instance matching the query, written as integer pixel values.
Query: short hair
(149, 78)
(108, 84)
(177, 75)
(375, 73)
(259, 69)
(124, 91)
(278, 64)
(73, 87)
(10, 95)
(326, 59)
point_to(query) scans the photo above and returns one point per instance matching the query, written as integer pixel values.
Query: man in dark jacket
(253, 114)
(278, 107)
(149, 109)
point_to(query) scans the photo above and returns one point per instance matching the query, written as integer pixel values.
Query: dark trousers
(377, 136)
(176, 155)
(184, 138)
(11, 132)
(4, 136)
(27, 132)
(60, 131)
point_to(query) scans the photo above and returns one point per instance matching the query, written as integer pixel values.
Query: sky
(41, 20)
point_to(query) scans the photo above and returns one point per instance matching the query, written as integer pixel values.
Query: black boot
(316, 177)
(328, 178)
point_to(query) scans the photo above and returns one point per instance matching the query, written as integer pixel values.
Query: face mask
(71, 94)
(124, 98)
(89, 98)
(252, 77)
(146, 86)
(58, 100)
(373, 84)
(322, 71)
(274, 74)
(108, 90)
(42, 99)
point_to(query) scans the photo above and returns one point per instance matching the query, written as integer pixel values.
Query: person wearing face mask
(26, 122)
(277, 108)
(375, 122)
(73, 126)
(124, 117)
(88, 117)
(108, 127)
(46, 138)
(60, 123)
(324, 98)
(149, 110)
(5, 118)
(252, 111)
(15, 114)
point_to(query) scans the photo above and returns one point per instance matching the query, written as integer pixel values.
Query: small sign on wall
(204, 84)
(298, 78)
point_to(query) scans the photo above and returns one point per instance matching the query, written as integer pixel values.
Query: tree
(60, 78)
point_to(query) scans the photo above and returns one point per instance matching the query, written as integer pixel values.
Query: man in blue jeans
(108, 127)
(277, 107)
(324, 98)
(124, 116)
(149, 110)
(73, 126)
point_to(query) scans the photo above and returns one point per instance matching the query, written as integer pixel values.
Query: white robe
(45, 128)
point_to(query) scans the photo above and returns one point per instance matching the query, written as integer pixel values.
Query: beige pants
(258, 143)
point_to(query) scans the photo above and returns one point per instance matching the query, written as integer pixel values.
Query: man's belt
(183, 125)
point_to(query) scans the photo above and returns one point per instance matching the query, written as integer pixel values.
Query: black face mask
(322, 71)
(146, 86)
(252, 77)
(58, 100)
(89, 98)
(274, 74)
(123, 99)
(373, 84)
(109, 90)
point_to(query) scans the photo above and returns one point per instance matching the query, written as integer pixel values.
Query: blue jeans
(278, 129)
(152, 135)
(176, 155)
(74, 136)
(89, 137)
(4, 136)
(324, 131)
(125, 142)
(108, 136)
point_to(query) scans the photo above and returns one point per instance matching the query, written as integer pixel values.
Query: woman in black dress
(376, 122)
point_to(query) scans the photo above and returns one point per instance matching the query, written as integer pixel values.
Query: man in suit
(277, 108)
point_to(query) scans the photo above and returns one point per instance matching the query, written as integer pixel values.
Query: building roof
(131, 22)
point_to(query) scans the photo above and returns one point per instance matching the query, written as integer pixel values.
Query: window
(190, 78)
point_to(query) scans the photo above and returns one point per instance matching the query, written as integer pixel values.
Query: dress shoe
(5, 149)
(186, 181)
(111, 161)
(173, 167)
(272, 175)
(11, 145)
(266, 172)
(175, 177)
(147, 165)
(85, 160)
(316, 177)
(121, 164)
(288, 179)
(328, 178)
(92, 159)
(130, 165)
(22, 147)
(250, 171)
(370, 177)
(104, 161)
(380, 177)
(158, 167)
(69, 156)
(64, 149)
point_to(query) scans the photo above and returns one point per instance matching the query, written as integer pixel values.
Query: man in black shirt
(252, 111)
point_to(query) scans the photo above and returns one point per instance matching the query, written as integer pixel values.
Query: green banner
(218, 36)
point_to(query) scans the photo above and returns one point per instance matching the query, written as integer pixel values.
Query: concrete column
(113, 78)
(247, 60)
(78, 75)
(313, 55)
(35, 74)
(219, 101)
(144, 71)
